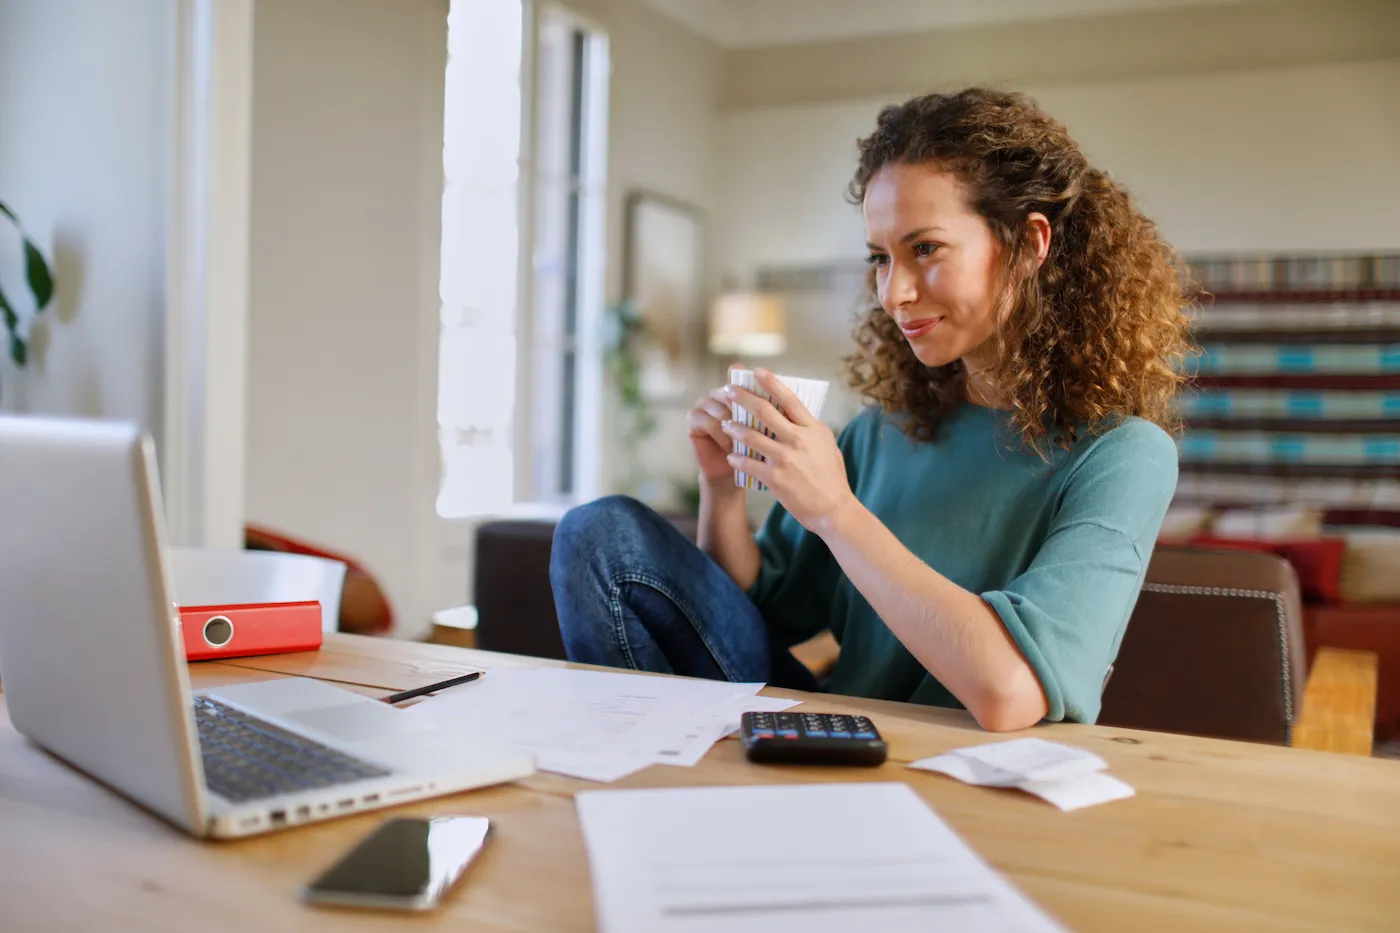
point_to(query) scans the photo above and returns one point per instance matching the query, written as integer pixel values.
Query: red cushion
(363, 600)
(1317, 561)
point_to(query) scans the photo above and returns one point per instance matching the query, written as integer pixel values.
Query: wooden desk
(1221, 836)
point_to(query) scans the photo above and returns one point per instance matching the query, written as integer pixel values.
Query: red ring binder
(249, 629)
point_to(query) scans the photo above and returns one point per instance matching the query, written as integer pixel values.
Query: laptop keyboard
(246, 758)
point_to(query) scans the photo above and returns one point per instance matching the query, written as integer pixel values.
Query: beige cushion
(1274, 523)
(1371, 566)
(1184, 522)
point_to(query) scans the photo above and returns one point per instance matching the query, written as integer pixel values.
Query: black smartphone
(405, 864)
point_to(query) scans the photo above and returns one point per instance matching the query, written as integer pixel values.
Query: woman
(980, 535)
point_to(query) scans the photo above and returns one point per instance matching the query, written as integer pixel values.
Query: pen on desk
(431, 688)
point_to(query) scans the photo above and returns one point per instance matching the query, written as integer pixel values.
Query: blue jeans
(631, 591)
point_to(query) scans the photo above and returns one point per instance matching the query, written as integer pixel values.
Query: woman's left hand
(804, 466)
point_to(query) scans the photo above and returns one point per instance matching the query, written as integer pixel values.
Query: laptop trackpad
(357, 722)
(331, 711)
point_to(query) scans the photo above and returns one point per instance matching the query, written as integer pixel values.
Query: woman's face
(938, 269)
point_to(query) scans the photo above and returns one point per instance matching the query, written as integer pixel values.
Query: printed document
(596, 725)
(815, 858)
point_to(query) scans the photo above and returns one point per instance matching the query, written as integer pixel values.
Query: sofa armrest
(1339, 703)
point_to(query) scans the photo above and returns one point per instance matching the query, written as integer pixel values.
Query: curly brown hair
(1100, 329)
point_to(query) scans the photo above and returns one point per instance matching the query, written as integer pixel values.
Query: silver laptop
(93, 669)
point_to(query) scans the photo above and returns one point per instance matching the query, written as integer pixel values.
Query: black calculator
(811, 738)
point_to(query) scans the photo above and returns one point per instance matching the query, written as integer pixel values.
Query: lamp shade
(747, 324)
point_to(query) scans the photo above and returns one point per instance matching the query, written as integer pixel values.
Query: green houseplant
(623, 343)
(40, 281)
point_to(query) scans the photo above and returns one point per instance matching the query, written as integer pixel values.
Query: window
(503, 438)
(481, 237)
(567, 289)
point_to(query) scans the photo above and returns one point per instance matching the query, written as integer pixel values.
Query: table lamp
(747, 324)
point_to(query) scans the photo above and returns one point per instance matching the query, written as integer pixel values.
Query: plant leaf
(11, 319)
(9, 213)
(40, 278)
(19, 350)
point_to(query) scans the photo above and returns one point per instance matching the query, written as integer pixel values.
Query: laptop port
(371, 798)
(303, 812)
(345, 804)
(279, 817)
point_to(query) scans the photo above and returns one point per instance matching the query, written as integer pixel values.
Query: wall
(85, 121)
(663, 122)
(1184, 39)
(342, 337)
(1301, 159)
(347, 136)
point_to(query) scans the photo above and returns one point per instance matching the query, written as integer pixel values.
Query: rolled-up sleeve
(1068, 610)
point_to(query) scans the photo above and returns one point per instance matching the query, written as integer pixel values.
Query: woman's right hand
(708, 441)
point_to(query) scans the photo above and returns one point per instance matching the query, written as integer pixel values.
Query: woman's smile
(913, 330)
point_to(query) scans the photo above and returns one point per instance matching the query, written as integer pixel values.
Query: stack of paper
(597, 725)
(815, 858)
(1066, 776)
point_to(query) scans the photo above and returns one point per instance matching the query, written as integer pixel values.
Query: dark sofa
(514, 602)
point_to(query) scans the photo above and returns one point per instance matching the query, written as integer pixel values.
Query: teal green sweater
(1058, 549)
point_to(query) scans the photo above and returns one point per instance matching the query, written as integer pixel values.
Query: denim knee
(613, 528)
(592, 543)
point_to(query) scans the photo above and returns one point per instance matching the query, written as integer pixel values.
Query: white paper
(225, 577)
(1086, 790)
(595, 725)
(1063, 775)
(819, 858)
(1006, 764)
(757, 705)
(706, 732)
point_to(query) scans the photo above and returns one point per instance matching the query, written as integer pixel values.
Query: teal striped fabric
(1297, 392)
(1253, 359)
(1337, 404)
(1264, 447)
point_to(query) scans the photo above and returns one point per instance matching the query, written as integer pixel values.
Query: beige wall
(85, 122)
(1295, 159)
(662, 112)
(346, 206)
(1182, 40)
(1181, 102)
(342, 337)
(664, 120)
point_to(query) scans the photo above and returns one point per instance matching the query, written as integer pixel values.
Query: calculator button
(788, 733)
(865, 735)
(765, 734)
(840, 735)
(816, 733)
